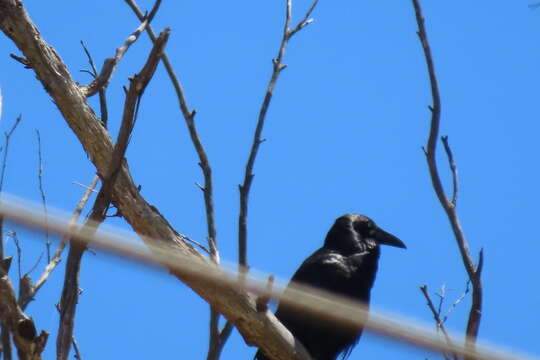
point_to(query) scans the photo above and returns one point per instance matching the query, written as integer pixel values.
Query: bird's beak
(384, 238)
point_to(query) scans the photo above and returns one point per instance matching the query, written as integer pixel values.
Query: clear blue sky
(344, 134)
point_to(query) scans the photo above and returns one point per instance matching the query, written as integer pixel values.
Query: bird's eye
(364, 228)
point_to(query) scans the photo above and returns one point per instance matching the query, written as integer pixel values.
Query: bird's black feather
(345, 265)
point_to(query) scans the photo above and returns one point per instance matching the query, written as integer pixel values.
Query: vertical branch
(449, 206)
(102, 92)
(438, 321)
(189, 117)
(277, 67)
(70, 291)
(42, 193)
(7, 136)
(5, 337)
(217, 337)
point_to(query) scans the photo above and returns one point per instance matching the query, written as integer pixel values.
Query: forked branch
(277, 67)
(449, 206)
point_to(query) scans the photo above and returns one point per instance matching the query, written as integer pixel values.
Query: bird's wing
(322, 269)
(328, 270)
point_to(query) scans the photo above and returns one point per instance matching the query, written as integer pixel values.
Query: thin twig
(109, 65)
(70, 291)
(439, 324)
(262, 301)
(57, 256)
(189, 117)
(102, 91)
(21, 60)
(305, 21)
(78, 355)
(277, 67)
(4, 332)
(441, 295)
(453, 168)
(449, 207)
(42, 193)
(84, 186)
(216, 342)
(7, 136)
(457, 301)
(13, 235)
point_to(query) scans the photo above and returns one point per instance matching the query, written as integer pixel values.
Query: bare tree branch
(277, 67)
(456, 302)
(102, 92)
(29, 345)
(449, 207)
(78, 355)
(261, 329)
(109, 65)
(4, 332)
(57, 256)
(453, 168)
(189, 117)
(7, 136)
(70, 292)
(217, 338)
(42, 193)
(438, 322)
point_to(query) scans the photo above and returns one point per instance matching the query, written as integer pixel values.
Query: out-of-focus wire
(335, 308)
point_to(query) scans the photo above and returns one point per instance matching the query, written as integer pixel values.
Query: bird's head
(352, 232)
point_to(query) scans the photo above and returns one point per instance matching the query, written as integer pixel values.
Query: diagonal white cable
(336, 308)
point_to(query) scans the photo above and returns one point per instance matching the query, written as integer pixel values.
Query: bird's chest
(352, 272)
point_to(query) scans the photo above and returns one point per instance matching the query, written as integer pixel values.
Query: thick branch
(449, 207)
(145, 219)
(216, 341)
(70, 292)
(29, 345)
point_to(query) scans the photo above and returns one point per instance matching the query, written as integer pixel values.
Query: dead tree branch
(4, 332)
(236, 305)
(109, 65)
(29, 344)
(70, 292)
(57, 256)
(449, 206)
(217, 338)
(102, 92)
(277, 67)
(42, 193)
(439, 323)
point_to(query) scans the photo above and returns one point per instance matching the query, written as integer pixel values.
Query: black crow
(346, 265)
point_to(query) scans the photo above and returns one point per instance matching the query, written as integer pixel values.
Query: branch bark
(277, 67)
(217, 337)
(235, 304)
(29, 345)
(449, 206)
(70, 292)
